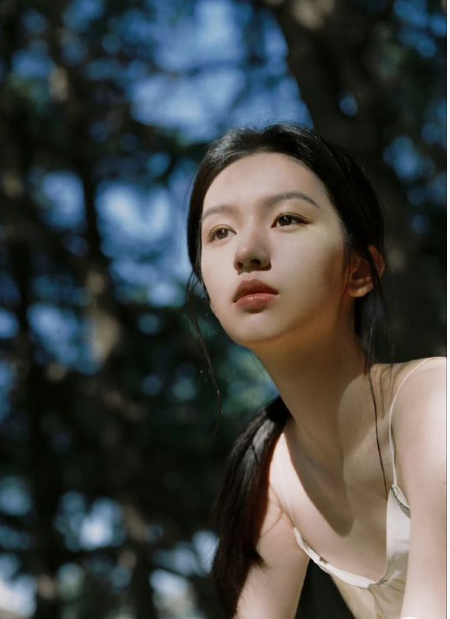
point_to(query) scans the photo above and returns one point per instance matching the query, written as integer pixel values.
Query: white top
(366, 598)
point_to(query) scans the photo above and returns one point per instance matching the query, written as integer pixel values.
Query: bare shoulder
(276, 470)
(419, 419)
(283, 483)
(402, 369)
(419, 427)
(396, 381)
(423, 365)
(417, 383)
(275, 589)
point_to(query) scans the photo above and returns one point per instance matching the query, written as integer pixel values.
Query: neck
(327, 392)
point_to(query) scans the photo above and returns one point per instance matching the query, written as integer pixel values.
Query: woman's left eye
(290, 218)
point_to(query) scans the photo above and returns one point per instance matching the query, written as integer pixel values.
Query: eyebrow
(269, 201)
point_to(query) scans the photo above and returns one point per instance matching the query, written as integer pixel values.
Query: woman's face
(268, 217)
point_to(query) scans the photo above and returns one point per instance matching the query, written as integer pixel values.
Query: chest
(343, 518)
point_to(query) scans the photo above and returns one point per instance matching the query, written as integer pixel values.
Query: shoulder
(282, 483)
(419, 424)
(405, 371)
(423, 365)
(418, 386)
(276, 473)
(419, 419)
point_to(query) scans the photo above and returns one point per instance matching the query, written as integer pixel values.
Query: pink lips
(254, 287)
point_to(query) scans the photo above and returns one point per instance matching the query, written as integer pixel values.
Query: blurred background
(108, 461)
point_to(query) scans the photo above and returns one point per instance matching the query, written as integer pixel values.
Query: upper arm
(420, 434)
(273, 592)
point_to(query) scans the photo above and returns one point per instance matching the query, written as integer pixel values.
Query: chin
(256, 337)
(256, 329)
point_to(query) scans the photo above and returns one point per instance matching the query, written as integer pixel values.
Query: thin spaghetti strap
(283, 484)
(391, 442)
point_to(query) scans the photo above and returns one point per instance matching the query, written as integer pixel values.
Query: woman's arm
(420, 437)
(274, 592)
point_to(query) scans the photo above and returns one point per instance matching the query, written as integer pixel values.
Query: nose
(251, 253)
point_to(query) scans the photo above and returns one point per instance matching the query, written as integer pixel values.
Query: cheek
(319, 257)
(319, 282)
(210, 276)
(216, 266)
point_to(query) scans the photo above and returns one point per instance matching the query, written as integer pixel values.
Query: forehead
(261, 174)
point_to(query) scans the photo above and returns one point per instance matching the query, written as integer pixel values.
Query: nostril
(250, 260)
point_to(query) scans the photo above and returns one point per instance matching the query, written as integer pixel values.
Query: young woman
(347, 466)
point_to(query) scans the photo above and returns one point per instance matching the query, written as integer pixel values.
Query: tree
(109, 460)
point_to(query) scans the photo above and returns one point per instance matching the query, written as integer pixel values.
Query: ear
(360, 280)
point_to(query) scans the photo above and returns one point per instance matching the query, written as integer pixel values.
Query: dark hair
(240, 503)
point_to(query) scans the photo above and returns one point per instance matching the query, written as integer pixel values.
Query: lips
(252, 286)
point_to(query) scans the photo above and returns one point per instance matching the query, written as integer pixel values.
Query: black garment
(320, 598)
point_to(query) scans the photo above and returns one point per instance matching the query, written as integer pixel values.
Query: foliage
(109, 460)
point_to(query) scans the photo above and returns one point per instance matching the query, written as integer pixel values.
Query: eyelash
(297, 218)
